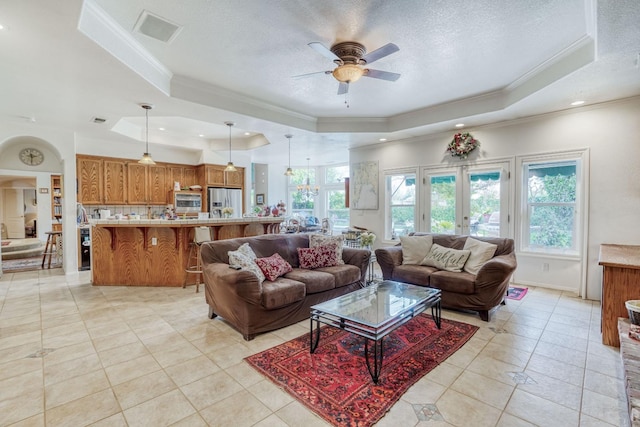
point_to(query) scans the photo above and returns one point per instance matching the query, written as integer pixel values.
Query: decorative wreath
(462, 144)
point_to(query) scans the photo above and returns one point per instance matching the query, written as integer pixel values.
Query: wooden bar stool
(194, 262)
(54, 240)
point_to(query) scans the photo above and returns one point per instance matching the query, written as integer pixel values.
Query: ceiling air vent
(156, 27)
(98, 120)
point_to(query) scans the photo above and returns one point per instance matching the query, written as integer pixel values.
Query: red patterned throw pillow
(273, 266)
(319, 256)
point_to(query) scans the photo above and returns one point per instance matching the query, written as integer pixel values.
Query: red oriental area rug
(334, 381)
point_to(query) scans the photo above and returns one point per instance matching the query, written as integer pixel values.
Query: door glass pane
(484, 204)
(443, 204)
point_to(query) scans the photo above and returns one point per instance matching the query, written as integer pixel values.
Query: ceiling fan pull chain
(346, 99)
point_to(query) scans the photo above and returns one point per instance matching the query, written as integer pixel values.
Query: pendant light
(146, 157)
(230, 167)
(289, 171)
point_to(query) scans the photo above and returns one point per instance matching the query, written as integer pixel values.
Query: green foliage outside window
(552, 198)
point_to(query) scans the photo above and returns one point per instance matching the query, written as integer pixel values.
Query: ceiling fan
(351, 59)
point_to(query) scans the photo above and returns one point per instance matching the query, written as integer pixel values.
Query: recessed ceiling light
(382, 139)
(201, 135)
(161, 129)
(1, 27)
(574, 103)
(247, 133)
(459, 125)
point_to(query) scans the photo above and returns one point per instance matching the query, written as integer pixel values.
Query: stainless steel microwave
(187, 201)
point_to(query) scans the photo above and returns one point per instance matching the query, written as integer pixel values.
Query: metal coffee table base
(374, 334)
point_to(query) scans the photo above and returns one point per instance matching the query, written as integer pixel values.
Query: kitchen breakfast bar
(155, 252)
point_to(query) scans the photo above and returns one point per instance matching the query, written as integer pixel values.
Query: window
(334, 189)
(301, 206)
(330, 202)
(551, 217)
(400, 194)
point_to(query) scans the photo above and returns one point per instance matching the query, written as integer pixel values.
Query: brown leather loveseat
(480, 292)
(253, 307)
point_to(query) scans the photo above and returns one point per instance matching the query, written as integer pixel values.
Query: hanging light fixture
(146, 157)
(289, 171)
(230, 167)
(308, 192)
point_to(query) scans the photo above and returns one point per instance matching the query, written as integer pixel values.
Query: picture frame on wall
(259, 199)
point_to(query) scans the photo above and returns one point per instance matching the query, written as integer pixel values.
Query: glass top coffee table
(373, 313)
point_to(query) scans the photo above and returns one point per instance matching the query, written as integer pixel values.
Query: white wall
(611, 133)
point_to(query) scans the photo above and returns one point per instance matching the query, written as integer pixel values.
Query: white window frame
(580, 227)
(388, 231)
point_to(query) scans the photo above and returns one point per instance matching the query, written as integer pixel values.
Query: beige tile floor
(72, 355)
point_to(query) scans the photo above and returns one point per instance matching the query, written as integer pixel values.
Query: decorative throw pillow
(273, 266)
(237, 259)
(415, 248)
(319, 256)
(322, 240)
(446, 258)
(245, 249)
(481, 252)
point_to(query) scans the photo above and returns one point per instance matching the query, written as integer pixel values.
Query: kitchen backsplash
(142, 210)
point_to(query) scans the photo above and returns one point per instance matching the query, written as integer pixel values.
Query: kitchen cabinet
(234, 179)
(189, 176)
(185, 175)
(89, 174)
(137, 176)
(115, 183)
(174, 174)
(158, 189)
(217, 177)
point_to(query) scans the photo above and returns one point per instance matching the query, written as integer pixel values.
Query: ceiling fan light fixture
(348, 73)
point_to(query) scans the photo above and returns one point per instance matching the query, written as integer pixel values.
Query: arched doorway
(26, 198)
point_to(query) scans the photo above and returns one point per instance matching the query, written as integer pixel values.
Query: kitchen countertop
(180, 222)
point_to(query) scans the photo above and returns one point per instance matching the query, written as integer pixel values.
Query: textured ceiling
(475, 61)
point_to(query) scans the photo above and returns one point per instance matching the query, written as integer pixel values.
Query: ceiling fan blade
(379, 53)
(324, 51)
(301, 76)
(384, 75)
(343, 88)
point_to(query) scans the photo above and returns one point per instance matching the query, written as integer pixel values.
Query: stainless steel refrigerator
(225, 197)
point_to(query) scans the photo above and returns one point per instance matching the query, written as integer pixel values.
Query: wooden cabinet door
(136, 184)
(235, 179)
(189, 176)
(174, 174)
(158, 190)
(215, 175)
(115, 184)
(89, 175)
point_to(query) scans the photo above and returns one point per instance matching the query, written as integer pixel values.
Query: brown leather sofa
(481, 292)
(253, 307)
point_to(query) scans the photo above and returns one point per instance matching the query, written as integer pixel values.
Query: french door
(469, 199)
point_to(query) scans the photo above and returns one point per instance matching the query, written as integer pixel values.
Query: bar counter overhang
(155, 252)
